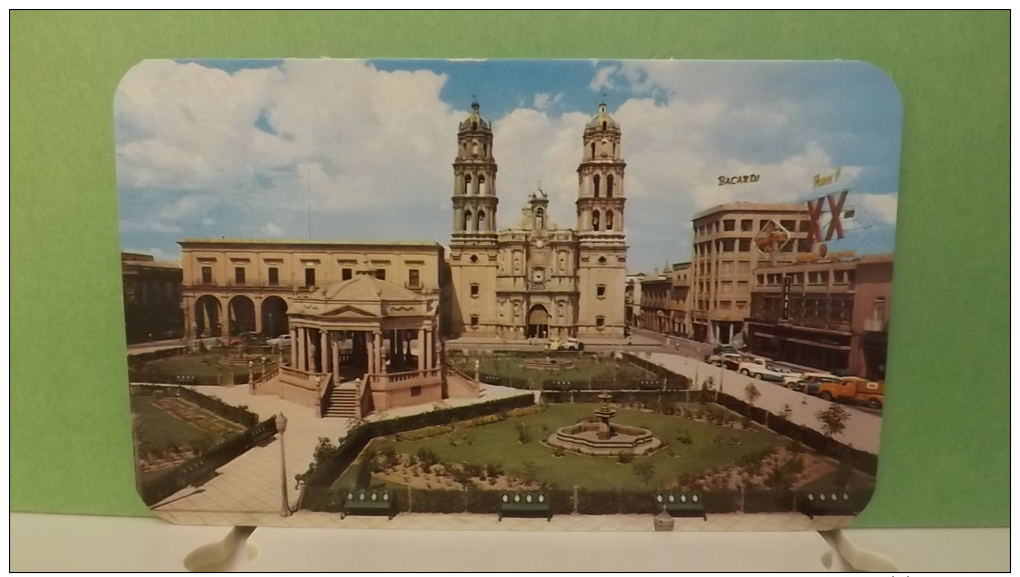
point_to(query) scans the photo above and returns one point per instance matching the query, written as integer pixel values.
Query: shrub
(427, 457)
(559, 452)
(438, 501)
(523, 432)
(493, 470)
(625, 457)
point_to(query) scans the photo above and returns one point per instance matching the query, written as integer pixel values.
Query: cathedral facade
(536, 280)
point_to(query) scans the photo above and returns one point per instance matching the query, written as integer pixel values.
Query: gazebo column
(429, 349)
(293, 348)
(369, 353)
(336, 358)
(299, 344)
(323, 351)
(377, 338)
(421, 349)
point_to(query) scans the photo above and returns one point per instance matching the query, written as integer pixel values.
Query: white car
(281, 341)
(766, 371)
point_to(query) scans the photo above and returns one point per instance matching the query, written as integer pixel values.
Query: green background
(945, 443)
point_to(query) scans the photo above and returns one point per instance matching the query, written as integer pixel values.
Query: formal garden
(565, 371)
(738, 464)
(220, 365)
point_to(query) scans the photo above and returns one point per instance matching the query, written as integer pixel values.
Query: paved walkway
(251, 482)
(862, 429)
(471, 522)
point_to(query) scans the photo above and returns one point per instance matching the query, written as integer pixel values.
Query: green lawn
(584, 368)
(498, 443)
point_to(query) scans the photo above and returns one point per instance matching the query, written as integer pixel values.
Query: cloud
(148, 225)
(158, 254)
(208, 221)
(882, 207)
(545, 100)
(603, 78)
(272, 230)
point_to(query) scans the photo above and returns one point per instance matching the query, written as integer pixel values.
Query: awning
(823, 345)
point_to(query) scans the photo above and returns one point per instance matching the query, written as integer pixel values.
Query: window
(474, 321)
(788, 247)
(609, 220)
(239, 275)
(309, 277)
(415, 391)
(824, 276)
(789, 225)
(467, 184)
(726, 287)
(742, 286)
(798, 279)
(597, 183)
(762, 223)
(726, 267)
(600, 290)
(743, 267)
(207, 275)
(380, 273)
(346, 274)
(481, 221)
(609, 185)
(729, 225)
(413, 278)
(725, 305)
(474, 290)
(481, 184)
(851, 276)
(839, 277)
(600, 323)
(727, 245)
(880, 309)
(812, 277)
(804, 225)
(803, 245)
(745, 245)
(274, 276)
(595, 220)
(746, 225)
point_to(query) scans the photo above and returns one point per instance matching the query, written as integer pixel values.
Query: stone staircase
(460, 386)
(344, 402)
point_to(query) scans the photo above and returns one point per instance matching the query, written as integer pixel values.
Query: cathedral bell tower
(600, 196)
(602, 250)
(474, 179)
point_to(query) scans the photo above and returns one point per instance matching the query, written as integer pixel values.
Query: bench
(368, 502)
(682, 504)
(525, 504)
(831, 502)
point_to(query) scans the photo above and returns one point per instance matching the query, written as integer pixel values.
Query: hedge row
(673, 380)
(647, 398)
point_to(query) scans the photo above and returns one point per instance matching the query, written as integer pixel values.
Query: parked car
(281, 341)
(728, 360)
(573, 344)
(766, 371)
(245, 338)
(807, 378)
(854, 389)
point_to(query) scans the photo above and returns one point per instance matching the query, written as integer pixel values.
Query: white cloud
(882, 207)
(147, 225)
(603, 78)
(208, 221)
(272, 230)
(545, 101)
(158, 254)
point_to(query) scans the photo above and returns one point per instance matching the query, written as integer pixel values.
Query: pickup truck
(853, 389)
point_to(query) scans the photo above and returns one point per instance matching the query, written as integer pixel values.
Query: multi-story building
(679, 300)
(632, 299)
(725, 254)
(152, 298)
(655, 302)
(828, 313)
(232, 286)
(537, 279)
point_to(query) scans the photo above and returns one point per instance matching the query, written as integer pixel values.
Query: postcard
(578, 295)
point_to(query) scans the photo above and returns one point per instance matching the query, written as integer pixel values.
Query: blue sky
(244, 148)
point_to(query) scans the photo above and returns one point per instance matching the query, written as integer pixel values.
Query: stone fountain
(603, 437)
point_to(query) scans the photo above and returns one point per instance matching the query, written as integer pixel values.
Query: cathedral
(535, 279)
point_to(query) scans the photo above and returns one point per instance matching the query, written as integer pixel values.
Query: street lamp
(281, 426)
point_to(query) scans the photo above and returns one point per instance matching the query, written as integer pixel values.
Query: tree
(645, 470)
(752, 394)
(833, 420)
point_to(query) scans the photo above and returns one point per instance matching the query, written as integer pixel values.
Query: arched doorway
(274, 317)
(538, 322)
(207, 317)
(241, 315)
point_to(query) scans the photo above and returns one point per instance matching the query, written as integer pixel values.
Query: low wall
(298, 387)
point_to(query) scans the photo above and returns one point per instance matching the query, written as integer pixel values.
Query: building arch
(240, 315)
(596, 185)
(538, 322)
(467, 184)
(274, 316)
(595, 221)
(481, 221)
(540, 219)
(481, 184)
(468, 222)
(609, 186)
(593, 150)
(609, 220)
(207, 316)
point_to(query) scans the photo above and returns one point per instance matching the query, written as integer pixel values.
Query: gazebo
(360, 345)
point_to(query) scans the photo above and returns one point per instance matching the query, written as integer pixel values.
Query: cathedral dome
(602, 119)
(474, 121)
